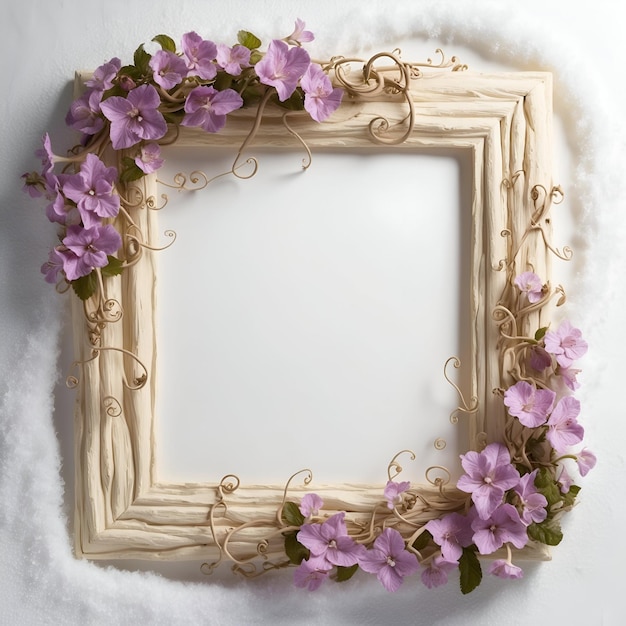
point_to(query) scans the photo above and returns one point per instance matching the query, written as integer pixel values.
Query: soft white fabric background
(42, 45)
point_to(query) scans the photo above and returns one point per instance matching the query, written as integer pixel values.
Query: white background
(305, 317)
(42, 45)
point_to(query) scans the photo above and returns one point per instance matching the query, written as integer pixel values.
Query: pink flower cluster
(504, 504)
(533, 403)
(79, 202)
(330, 546)
(133, 104)
(492, 522)
(136, 116)
(557, 350)
(536, 408)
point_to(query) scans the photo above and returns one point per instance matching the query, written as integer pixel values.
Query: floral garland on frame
(137, 107)
(512, 492)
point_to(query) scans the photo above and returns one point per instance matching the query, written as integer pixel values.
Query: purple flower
(393, 492)
(505, 569)
(52, 184)
(34, 184)
(452, 533)
(435, 573)
(92, 190)
(84, 114)
(504, 526)
(530, 284)
(320, 99)
(533, 503)
(569, 374)
(540, 359)
(330, 541)
(58, 210)
(104, 75)
(53, 265)
(282, 67)
(300, 35)
(88, 248)
(310, 504)
(566, 343)
(200, 55)
(126, 82)
(232, 60)
(168, 69)
(311, 573)
(565, 480)
(206, 107)
(530, 405)
(563, 428)
(48, 158)
(63, 212)
(135, 117)
(488, 475)
(389, 559)
(586, 461)
(149, 159)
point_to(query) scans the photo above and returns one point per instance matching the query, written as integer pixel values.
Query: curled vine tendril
(151, 203)
(308, 478)
(306, 162)
(394, 468)
(466, 407)
(438, 481)
(138, 381)
(168, 233)
(229, 484)
(112, 406)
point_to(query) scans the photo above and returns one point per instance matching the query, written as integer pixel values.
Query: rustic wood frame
(504, 119)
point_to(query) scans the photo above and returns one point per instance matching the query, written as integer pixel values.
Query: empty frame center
(305, 317)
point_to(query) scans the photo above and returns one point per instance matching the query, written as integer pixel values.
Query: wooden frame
(121, 510)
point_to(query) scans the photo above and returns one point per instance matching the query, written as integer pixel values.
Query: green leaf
(252, 94)
(166, 42)
(116, 90)
(85, 286)
(540, 333)
(141, 59)
(534, 450)
(255, 57)
(247, 39)
(548, 532)
(543, 478)
(471, 574)
(345, 573)
(135, 73)
(114, 266)
(292, 515)
(570, 496)
(294, 550)
(295, 102)
(131, 172)
(423, 539)
(223, 81)
(174, 117)
(547, 486)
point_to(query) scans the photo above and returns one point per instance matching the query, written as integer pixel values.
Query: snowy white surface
(42, 45)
